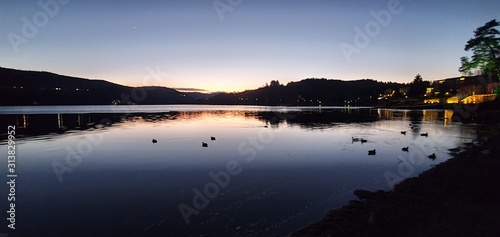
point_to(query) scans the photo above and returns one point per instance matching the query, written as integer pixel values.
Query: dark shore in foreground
(459, 197)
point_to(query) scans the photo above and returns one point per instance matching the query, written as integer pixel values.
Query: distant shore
(459, 197)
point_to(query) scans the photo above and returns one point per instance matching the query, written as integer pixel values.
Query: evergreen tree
(418, 87)
(485, 47)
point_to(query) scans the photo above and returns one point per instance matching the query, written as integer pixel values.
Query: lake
(94, 170)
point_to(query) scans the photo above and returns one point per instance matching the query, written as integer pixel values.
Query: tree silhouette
(417, 87)
(274, 83)
(417, 79)
(485, 47)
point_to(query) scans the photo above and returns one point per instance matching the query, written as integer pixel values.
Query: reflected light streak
(25, 121)
(448, 115)
(59, 121)
(430, 116)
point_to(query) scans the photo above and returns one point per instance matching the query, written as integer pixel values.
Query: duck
(432, 157)
(203, 144)
(372, 152)
(355, 139)
(403, 132)
(363, 140)
(424, 134)
(405, 149)
(154, 141)
(212, 138)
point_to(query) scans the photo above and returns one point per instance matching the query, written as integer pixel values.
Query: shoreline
(458, 197)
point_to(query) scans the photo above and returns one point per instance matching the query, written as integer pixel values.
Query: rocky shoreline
(459, 197)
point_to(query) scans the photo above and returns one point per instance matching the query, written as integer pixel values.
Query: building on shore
(465, 90)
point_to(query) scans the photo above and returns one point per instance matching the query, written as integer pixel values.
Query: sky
(233, 45)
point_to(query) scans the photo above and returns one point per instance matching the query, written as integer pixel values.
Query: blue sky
(187, 44)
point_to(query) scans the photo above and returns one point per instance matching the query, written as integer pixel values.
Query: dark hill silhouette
(44, 88)
(201, 95)
(311, 92)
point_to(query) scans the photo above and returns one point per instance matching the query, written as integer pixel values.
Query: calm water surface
(94, 171)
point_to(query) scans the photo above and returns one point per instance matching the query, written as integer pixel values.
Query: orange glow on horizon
(226, 83)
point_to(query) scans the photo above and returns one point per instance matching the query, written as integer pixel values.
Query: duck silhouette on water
(432, 157)
(154, 141)
(204, 144)
(405, 149)
(372, 152)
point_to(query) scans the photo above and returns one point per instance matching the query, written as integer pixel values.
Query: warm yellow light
(453, 100)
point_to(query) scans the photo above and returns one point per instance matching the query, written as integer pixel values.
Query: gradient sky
(186, 44)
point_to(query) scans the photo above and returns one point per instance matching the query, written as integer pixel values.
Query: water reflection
(319, 119)
(127, 185)
(32, 125)
(414, 115)
(44, 124)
